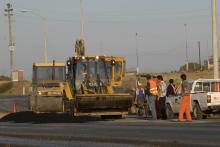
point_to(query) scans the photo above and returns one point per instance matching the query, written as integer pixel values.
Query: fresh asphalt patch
(31, 117)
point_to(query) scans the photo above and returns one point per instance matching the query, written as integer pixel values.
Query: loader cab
(48, 77)
(95, 74)
(48, 82)
(87, 74)
(48, 71)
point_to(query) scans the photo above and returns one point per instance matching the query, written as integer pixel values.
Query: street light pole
(44, 31)
(200, 63)
(215, 40)
(45, 40)
(137, 57)
(187, 60)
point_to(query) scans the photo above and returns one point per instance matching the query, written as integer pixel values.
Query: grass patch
(5, 87)
(4, 78)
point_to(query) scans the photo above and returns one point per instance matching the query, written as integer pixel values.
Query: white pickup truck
(204, 99)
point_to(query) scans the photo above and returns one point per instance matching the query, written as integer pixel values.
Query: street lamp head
(24, 11)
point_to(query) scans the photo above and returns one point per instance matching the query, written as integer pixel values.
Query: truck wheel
(197, 112)
(169, 112)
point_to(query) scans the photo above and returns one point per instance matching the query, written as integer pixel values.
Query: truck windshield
(48, 73)
(207, 86)
(91, 70)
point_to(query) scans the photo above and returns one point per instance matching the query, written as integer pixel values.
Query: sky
(110, 29)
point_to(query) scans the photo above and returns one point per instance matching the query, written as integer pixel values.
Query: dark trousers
(157, 106)
(162, 102)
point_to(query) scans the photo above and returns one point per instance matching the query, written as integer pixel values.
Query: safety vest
(153, 88)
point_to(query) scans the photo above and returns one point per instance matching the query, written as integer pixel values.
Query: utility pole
(215, 40)
(81, 20)
(187, 60)
(137, 57)
(8, 13)
(200, 65)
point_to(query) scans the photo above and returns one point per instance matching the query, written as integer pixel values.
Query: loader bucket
(103, 102)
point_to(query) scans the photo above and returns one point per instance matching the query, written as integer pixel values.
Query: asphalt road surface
(49, 130)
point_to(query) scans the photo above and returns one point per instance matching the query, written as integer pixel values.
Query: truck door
(176, 101)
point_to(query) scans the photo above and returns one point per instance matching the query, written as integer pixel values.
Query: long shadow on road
(23, 117)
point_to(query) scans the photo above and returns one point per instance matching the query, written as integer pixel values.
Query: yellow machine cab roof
(100, 57)
(48, 64)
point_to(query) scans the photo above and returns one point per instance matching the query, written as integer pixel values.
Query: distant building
(17, 75)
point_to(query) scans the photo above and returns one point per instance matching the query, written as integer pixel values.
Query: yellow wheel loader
(93, 86)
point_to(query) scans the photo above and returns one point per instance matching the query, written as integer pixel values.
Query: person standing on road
(140, 99)
(162, 97)
(157, 103)
(185, 103)
(171, 89)
(152, 95)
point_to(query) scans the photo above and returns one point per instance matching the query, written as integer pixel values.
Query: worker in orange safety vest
(151, 95)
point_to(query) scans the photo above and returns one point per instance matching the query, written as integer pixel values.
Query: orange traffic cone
(14, 108)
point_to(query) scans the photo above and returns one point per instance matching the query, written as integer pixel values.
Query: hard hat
(139, 84)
